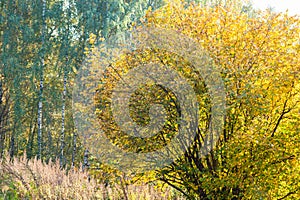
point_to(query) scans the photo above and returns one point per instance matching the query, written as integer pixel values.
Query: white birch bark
(40, 104)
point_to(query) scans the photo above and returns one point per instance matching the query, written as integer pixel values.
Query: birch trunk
(85, 160)
(62, 136)
(74, 148)
(65, 79)
(40, 105)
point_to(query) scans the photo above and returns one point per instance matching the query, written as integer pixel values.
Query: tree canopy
(44, 44)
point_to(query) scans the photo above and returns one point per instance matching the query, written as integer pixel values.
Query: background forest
(45, 43)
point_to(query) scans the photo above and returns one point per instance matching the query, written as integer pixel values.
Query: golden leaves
(261, 64)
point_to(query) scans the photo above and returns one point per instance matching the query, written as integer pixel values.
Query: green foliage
(68, 27)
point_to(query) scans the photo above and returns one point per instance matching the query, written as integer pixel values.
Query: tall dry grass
(21, 178)
(35, 179)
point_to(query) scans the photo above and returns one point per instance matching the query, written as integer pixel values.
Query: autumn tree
(257, 155)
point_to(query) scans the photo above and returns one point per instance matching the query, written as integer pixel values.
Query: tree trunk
(86, 163)
(2, 119)
(40, 104)
(4, 109)
(62, 136)
(12, 145)
(74, 148)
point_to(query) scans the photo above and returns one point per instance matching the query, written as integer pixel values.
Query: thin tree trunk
(40, 105)
(2, 120)
(12, 144)
(32, 126)
(1, 91)
(65, 77)
(85, 160)
(74, 148)
(62, 136)
(40, 117)
(4, 104)
(49, 140)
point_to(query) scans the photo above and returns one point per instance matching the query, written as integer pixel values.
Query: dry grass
(33, 179)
